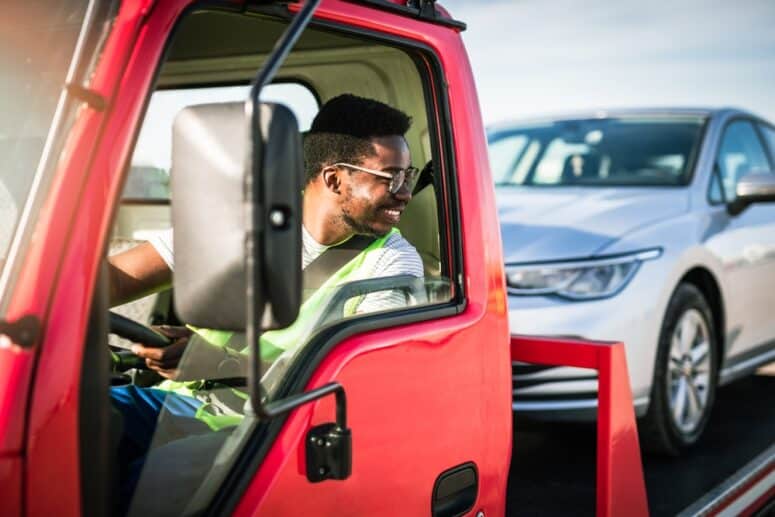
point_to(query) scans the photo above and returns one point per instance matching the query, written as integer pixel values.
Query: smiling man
(358, 182)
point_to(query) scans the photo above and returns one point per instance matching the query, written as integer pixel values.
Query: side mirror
(215, 164)
(752, 188)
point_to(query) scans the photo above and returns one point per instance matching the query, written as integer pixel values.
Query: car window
(504, 153)
(740, 153)
(626, 151)
(769, 136)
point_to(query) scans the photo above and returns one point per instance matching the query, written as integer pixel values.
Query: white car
(651, 227)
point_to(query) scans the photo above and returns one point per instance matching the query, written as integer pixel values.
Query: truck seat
(420, 224)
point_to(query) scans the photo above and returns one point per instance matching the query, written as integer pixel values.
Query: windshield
(37, 44)
(596, 152)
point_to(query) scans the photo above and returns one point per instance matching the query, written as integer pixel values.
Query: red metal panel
(416, 407)
(15, 370)
(11, 485)
(621, 489)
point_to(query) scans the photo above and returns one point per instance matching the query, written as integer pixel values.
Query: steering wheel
(136, 332)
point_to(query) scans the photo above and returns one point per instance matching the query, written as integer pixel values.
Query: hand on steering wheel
(165, 360)
(158, 349)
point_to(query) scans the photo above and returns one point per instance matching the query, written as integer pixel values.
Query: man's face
(367, 206)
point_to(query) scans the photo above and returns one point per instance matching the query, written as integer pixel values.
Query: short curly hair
(343, 129)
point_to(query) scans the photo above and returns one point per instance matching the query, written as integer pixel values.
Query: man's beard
(361, 228)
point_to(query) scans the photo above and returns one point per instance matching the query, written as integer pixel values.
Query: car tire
(685, 375)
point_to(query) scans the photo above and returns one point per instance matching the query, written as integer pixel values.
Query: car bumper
(633, 317)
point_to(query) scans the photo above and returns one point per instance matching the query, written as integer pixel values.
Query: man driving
(358, 182)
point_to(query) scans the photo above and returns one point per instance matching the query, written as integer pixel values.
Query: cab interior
(216, 48)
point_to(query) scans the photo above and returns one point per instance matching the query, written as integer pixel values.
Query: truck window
(215, 425)
(150, 168)
(145, 209)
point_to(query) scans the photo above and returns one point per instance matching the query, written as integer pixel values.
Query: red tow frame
(621, 489)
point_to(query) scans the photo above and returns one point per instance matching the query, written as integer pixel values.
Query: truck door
(427, 381)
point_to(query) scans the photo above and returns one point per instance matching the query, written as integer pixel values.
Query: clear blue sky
(533, 57)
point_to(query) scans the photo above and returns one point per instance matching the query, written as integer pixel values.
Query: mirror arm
(255, 218)
(281, 50)
(283, 406)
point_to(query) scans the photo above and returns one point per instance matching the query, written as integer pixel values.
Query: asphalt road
(553, 465)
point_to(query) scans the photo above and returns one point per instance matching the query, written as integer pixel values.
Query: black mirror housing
(282, 166)
(214, 164)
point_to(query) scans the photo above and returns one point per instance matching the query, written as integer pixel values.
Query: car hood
(555, 223)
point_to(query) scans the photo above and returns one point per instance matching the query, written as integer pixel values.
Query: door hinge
(23, 332)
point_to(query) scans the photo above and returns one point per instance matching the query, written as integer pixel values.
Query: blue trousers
(141, 409)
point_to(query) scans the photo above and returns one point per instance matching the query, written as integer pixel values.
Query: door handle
(455, 491)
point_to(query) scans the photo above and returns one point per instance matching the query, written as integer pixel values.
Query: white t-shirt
(396, 257)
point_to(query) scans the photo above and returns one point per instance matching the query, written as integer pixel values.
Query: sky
(536, 57)
(533, 58)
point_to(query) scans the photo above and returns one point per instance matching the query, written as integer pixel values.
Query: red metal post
(621, 489)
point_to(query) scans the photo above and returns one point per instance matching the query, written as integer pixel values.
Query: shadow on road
(553, 465)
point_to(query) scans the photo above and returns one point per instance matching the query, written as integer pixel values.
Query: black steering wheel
(137, 333)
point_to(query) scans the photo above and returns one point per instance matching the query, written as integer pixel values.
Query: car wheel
(685, 375)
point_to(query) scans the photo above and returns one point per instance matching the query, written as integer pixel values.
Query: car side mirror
(215, 164)
(752, 188)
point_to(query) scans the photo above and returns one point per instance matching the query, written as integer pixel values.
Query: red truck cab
(405, 411)
(428, 386)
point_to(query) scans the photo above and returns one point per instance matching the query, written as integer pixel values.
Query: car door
(746, 245)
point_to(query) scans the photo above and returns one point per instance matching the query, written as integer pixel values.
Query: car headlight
(577, 280)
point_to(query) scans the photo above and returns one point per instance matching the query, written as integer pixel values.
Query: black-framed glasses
(398, 178)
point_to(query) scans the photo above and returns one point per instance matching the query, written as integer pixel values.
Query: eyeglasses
(397, 179)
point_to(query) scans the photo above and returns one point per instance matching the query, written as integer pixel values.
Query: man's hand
(165, 360)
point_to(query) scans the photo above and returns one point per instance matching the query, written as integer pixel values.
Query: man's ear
(331, 179)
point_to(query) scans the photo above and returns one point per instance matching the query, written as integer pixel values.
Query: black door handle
(455, 491)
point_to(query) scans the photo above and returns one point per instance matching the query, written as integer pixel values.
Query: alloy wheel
(689, 370)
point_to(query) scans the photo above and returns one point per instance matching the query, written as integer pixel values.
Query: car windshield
(626, 151)
(37, 44)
